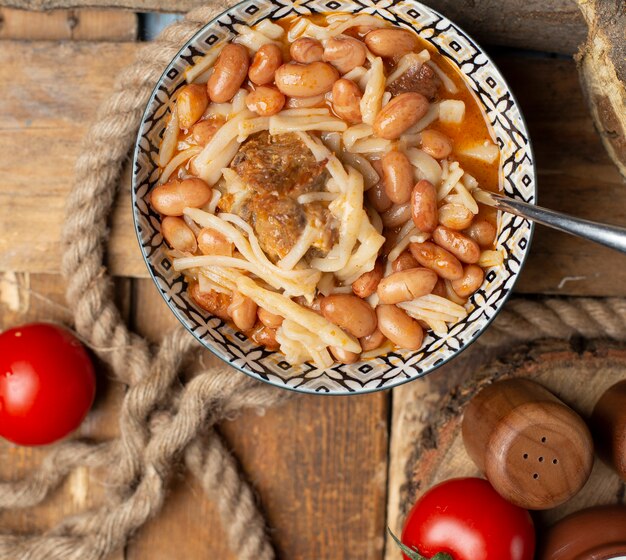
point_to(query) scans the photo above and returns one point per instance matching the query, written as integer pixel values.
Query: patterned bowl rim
(304, 389)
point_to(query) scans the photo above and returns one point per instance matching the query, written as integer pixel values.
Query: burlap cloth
(161, 420)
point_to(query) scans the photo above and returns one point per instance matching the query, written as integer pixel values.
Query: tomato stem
(414, 554)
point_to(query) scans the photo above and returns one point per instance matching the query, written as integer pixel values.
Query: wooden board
(46, 128)
(556, 26)
(79, 25)
(427, 446)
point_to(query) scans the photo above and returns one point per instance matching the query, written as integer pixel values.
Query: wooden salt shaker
(608, 423)
(534, 450)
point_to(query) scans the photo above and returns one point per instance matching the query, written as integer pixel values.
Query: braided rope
(161, 421)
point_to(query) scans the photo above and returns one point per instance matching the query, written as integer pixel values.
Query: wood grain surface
(555, 26)
(79, 25)
(575, 174)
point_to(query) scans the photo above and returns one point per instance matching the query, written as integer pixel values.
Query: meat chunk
(275, 171)
(421, 79)
(277, 221)
(280, 163)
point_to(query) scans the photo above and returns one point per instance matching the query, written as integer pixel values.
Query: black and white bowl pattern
(514, 234)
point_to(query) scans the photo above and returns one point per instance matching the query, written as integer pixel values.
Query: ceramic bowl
(514, 234)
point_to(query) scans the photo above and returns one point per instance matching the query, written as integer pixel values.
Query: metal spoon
(610, 236)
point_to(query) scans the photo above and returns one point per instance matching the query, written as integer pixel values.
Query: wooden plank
(575, 174)
(555, 26)
(79, 25)
(40, 297)
(319, 465)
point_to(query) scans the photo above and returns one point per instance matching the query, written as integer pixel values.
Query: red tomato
(47, 384)
(467, 519)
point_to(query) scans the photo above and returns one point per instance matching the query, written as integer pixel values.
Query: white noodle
(371, 102)
(251, 38)
(431, 116)
(307, 198)
(490, 258)
(206, 285)
(252, 126)
(447, 82)
(303, 102)
(293, 257)
(408, 61)
(349, 209)
(354, 133)
(176, 162)
(426, 167)
(212, 172)
(170, 137)
(202, 65)
(454, 175)
(280, 123)
(212, 204)
(371, 146)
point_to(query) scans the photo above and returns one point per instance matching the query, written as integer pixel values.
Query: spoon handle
(610, 236)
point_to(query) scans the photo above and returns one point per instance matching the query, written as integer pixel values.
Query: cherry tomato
(468, 520)
(47, 384)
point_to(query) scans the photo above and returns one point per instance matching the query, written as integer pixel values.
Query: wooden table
(327, 470)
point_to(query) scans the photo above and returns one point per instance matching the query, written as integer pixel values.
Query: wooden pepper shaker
(597, 533)
(608, 423)
(534, 450)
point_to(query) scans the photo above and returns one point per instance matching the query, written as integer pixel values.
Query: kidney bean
(398, 176)
(365, 285)
(440, 288)
(264, 336)
(397, 215)
(264, 64)
(178, 234)
(372, 341)
(347, 100)
(432, 256)
(345, 53)
(269, 319)
(191, 102)
(215, 303)
(349, 313)
(398, 327)
(377, 197)
(305, 80)
(455, 216)
(471, 280)
(452, 295)
(242, 311)
(212, 242)
(436, 144)
(171, 198)
(265, 101)
(406, 285)
(306, 50)
(404, 262)
(203, 131)
(344, 356)
(461, 246)
(390, 43)
(229, 72)
(424, 206)
(482, 232)
(401, 113)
